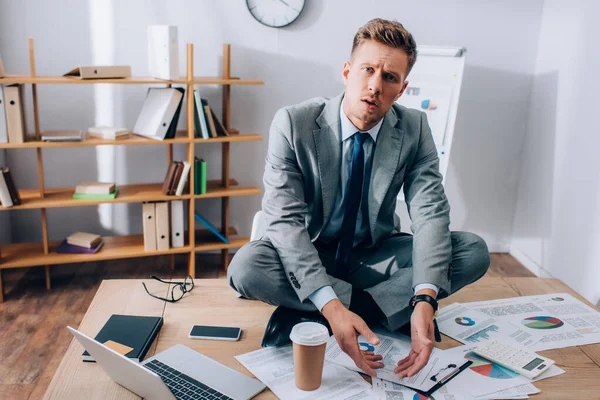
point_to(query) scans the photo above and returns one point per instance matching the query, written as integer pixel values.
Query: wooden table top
(212, 302)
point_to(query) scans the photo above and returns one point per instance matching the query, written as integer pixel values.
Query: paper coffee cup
(310, 339)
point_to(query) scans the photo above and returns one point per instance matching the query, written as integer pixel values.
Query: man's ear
(404, 86)
(346, 71)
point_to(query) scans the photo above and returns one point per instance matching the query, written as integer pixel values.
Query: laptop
(176, 373)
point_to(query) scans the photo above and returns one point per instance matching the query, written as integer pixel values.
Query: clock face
(275, 13)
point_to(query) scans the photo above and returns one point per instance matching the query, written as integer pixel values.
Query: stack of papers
(537, 322)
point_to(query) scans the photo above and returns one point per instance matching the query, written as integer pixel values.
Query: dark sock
(364, 306)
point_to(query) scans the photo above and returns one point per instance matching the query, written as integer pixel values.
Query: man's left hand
(422, 335)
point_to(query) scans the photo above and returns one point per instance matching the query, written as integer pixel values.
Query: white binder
(177, 223)
(3, 126)
(163, 52)
(162, 225)
(149, 226)
(157, 113)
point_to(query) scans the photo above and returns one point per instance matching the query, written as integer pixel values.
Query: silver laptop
(176, 373)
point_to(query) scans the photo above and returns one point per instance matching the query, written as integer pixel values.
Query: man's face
(374, 79)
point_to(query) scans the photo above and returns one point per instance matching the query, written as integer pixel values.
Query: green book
(196, 175)
(82, 196)
(202, 176)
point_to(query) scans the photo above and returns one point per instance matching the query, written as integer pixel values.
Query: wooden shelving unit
(43, 253)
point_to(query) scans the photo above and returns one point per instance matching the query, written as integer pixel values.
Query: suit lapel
(385, 162)
(328, 146)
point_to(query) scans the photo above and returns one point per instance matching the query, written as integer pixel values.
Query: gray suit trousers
(385, 272)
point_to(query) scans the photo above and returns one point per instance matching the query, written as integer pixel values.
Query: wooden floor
(33, 337)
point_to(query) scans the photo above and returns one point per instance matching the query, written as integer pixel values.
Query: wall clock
(275, 13)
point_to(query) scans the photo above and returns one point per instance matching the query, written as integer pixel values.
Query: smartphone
(215, 332)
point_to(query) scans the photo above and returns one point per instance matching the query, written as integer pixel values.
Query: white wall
(557, 218)
(298, 62)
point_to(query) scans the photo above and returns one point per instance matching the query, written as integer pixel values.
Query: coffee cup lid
(309, 334)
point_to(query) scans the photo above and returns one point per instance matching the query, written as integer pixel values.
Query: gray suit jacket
(302, 174)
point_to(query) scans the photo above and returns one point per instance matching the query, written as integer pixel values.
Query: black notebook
(133, 331)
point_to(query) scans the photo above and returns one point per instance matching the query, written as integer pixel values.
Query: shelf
(115, 247)
(180, 138)
(63, 197)
(247, 137)
(58, 79)
(219, 191)
(214, 243)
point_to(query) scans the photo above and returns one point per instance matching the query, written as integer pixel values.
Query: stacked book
(108, 133)
(9, 195)
(81, 243)
(96, 191)
(176, 178)
(62, 136)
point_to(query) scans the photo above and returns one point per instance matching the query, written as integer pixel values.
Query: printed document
(393, 349)
(274, 366)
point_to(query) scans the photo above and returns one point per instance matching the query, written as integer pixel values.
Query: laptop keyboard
(182, 386)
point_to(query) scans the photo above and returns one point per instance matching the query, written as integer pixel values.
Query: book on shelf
(108, 132)
(199, 176)
(9, 195)
(221, 131)
(84, 239)
(206, 123)
(84, 196)
(176, 178)
(184, 178)
(65, 248)
(1, 68)
(211, 228)
(160, 113)
(95, 187)
(133, 333)
(200, 122)
(61, 136)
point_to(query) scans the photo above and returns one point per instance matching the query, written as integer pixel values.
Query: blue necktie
(353, 197)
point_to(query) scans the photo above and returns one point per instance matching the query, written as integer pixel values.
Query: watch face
(275, 13)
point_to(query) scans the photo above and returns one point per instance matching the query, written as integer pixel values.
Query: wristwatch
(426, 298)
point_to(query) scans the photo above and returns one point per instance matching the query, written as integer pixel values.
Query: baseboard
(531, 265)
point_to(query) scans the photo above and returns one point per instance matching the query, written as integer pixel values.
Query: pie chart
(542, 322)
(366, 346)
(419, 396)
(464, 321)
(489, 369)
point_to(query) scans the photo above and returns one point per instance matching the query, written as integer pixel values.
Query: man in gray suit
(333, 172)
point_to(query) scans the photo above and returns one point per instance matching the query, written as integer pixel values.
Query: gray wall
(557, 218)
(298, 62)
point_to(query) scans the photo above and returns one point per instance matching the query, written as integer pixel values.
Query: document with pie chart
(460, 322)
(545, 322)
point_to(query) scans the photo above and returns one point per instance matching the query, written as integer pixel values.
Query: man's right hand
(347, 326)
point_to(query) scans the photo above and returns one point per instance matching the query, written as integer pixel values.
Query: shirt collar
(348, 128)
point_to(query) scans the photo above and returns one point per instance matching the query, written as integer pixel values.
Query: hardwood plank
(503, 264)
(42, 344)
(15, 392)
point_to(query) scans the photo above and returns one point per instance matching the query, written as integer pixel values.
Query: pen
(436, 331)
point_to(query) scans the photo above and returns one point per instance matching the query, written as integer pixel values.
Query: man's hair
(389, 33)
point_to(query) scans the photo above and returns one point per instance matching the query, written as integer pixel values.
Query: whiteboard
(434, 87)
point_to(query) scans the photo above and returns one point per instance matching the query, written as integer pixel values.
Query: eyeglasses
(177, 290)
